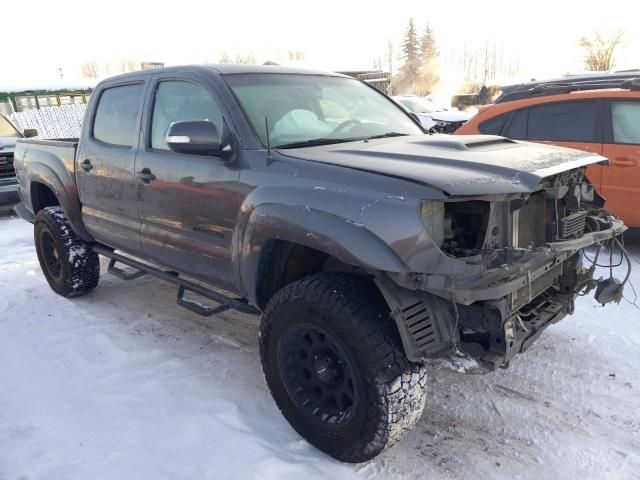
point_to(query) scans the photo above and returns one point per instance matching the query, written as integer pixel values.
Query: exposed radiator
(525, 294)
(531, 221)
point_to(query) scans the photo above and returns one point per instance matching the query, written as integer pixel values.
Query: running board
(123, 274)
(225, 302)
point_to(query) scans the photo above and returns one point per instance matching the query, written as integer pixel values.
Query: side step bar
(225, 302)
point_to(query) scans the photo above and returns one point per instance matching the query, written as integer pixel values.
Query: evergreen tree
(407, 77)
(429, 55)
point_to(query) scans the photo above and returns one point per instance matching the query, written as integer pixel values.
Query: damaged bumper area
(522, 269)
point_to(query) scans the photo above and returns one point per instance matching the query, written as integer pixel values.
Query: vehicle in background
(431, 114)
(602, 117)
(592, 78)
(8, 182)
(315, 200)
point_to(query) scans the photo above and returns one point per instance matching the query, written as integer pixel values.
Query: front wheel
(69, 264)
(334, 363)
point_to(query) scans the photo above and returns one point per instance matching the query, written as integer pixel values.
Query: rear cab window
(116, 116)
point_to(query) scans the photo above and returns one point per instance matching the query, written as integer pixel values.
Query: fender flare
(347, 242)
(65, 191)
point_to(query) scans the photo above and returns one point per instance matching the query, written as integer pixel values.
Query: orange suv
(597, 116)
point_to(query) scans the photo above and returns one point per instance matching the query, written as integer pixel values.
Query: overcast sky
(335, 35)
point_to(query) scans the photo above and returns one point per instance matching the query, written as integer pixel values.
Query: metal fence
(52, 122)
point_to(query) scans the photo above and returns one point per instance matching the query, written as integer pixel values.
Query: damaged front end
(510, 266)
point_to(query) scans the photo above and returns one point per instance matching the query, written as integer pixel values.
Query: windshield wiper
(317, 141)
(388, 135)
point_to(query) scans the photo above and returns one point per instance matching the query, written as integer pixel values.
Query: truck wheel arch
(46, 189)
(273, 233)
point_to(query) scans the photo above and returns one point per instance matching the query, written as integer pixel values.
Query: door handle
(145, 176)
(624, 162)
(86, 165)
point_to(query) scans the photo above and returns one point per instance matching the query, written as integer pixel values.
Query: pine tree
(429, 55)
(407, 77)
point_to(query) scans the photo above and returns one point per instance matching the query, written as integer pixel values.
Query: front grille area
(6, 166)
(572, 226)
(532, 222)
(523, 296)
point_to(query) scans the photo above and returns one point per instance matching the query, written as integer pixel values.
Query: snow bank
(123, 384)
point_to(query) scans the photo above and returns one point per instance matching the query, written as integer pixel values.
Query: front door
(621, 179)
(105, 166)
(188, 203)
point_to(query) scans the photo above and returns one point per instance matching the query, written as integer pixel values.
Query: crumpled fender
(335, 236)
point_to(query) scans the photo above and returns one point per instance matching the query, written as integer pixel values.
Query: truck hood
(7, 144)
(463, 165)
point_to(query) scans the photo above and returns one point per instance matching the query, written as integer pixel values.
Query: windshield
(316, 108)
(7, 129)
(420, 105)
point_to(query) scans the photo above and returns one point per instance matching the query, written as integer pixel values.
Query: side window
(517, 128)
(117, 115)
(177, 101)
(625, 119)
(564, 121)
(493, 126)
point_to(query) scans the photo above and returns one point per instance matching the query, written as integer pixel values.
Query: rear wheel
(335, 366)
(69, 264)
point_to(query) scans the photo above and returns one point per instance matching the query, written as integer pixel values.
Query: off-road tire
(69, 264)
(391, 390)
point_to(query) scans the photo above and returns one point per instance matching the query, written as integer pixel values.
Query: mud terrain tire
(68, 263)
(328, 334)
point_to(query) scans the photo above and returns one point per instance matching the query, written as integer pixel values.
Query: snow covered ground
(124, 384)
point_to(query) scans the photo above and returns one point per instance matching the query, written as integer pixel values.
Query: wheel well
(41, 197)
(284, 262)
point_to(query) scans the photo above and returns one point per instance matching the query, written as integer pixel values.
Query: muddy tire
(68, 263)
(334, 363)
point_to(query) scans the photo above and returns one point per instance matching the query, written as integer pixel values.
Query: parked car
(8, 181)
(598, 117)
(591, 79)
(431, 114)
(313, 199)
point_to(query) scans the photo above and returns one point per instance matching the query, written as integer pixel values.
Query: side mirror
(195, 137)
(30, 133)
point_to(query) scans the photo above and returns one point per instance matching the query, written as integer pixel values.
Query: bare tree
(599, 50)
(89, 69)
(249, 59)
(128, 66)
(296, 54)
(225, 58)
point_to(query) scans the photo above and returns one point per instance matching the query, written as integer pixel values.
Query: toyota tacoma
(367, 246)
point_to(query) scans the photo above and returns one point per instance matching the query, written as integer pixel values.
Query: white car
(429, 113)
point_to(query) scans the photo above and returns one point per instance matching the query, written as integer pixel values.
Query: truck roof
(224, 69)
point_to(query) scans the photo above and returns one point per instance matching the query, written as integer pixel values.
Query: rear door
(189, 209)
(575, 124)
(105, 165)
(621, 179)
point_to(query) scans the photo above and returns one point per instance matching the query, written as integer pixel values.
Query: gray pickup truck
(368, 246)
(8, 181)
